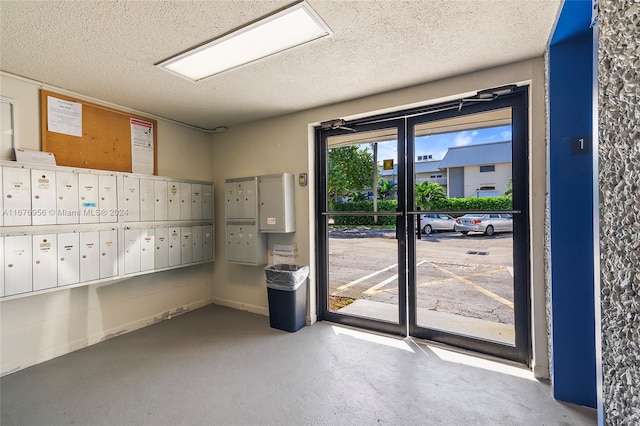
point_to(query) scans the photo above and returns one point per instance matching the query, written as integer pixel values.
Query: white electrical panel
(73, 227)
(162, 248)
(174, 246)
(131, 202)
(108, 198)
(147, 249)
(45, 261)
(89, 256)
(147, 201)
(67, 206)
(88, 195)
(17, 265)
(131, 251)
(173, 200)
(108, 253)
(16, 183)
(276, 208)
(68, 258)
(43, 197)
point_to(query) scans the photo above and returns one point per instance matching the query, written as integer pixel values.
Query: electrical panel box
(18, 276)
(108, 253)
(131, 202)
(241, 198)
(16, 183)
(245, 245)
(43, 197)
(67, 198)
(68, 258)
(89, 256)
(45, 261)
(276, 206)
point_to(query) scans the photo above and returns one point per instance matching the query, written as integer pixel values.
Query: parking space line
(366, 277)
(477, 287)
(372, 290)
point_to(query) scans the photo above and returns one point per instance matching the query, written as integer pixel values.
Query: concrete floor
(218, 366)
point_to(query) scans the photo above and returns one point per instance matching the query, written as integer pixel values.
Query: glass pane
(464, 262)
(363, 250)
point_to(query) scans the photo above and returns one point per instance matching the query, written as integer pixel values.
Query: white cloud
(474, 133)
(462, 139)
(506, 135)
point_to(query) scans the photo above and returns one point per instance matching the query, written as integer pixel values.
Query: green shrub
(472, 204)
(363, 206)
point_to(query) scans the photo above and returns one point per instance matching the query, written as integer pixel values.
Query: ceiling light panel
(283, 30)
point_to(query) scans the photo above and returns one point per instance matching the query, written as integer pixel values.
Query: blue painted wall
(571, 205)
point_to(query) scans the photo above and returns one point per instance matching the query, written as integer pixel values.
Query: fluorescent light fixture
(275, 33)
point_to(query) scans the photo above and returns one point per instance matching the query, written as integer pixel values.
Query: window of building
(490, 168)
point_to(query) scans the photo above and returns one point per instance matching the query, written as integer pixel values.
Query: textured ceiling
(107, 50)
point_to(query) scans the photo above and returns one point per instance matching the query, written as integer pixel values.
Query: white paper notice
(64, 116)
(141, 147)
(283, 255)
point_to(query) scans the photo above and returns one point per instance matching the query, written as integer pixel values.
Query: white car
(488, 224)
(431, 222)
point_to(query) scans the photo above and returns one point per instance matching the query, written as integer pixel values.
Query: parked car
(489, 224)
(431, 222)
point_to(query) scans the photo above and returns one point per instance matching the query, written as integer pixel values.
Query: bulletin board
(87, 135)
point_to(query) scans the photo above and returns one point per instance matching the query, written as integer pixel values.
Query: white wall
(285, 144)
(474, 179)
(39, 327)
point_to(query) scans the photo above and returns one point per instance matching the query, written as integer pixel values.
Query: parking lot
(467, 276)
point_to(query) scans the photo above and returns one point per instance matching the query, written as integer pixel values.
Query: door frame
(515, 98)
(322, 214)
(521, 351)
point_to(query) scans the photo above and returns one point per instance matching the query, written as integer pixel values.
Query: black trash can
(287, 293)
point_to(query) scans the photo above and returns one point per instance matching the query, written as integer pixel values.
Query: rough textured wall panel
(619, 150)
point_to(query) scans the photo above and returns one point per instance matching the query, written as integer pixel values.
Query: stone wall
(619, 157)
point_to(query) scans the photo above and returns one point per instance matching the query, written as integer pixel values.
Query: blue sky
(437, 145)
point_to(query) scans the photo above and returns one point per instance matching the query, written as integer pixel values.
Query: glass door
(361, 226)
(423, 225)
(468, 273)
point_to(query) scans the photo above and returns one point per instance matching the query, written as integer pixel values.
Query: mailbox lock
(61, 197)
(62, 259)
(10, 265)
(84, 256)
(8, 195)
(104, 254)
(37, 262)
(36, 197)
